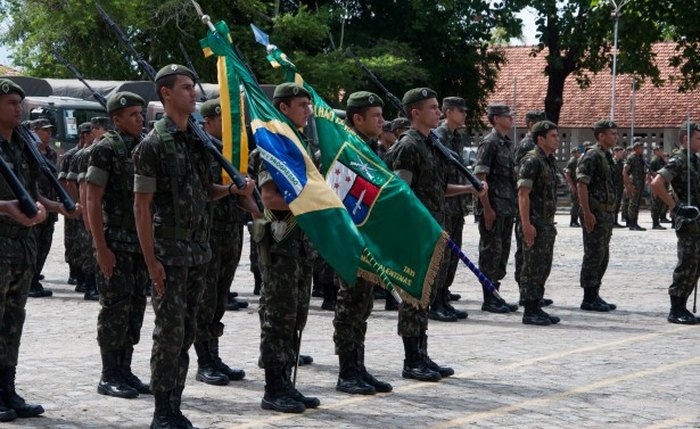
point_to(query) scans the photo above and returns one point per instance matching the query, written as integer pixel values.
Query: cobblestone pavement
(629, 368)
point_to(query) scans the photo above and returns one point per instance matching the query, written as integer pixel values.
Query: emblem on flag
(357, 194)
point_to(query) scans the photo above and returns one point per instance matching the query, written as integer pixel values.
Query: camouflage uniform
(494, 158)
(44, 231)
(657, 205)
(122, 297)
(636, 170)
(687, 271)
(177, 173)
(70, 226)
(85, 254)
(596, 168)
(571, 169)
(618, 167)
(538, 173)
(521, 150)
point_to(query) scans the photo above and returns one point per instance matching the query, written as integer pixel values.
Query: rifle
(197, 80)
(26, 202)
(96, 95)
(394, 100)
(45, 166)
(232, 171)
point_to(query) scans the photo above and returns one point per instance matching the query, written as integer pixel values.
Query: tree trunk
(554, 99)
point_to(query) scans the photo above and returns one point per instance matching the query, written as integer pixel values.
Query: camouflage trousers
(618, 204)
(687, 271)
(454, 224)
(175, 325)
(226, 248)
(283, 308)
(574, 207)
(44, 237)
(86, 254)
(624, 205)
(14, 286)
(635, 201)
(323, 273)
(596, 250)
(658, 208)
(122, 302)
(494, 247)
(351, 313)
(536, 262)
(70, 243)
(518, 256)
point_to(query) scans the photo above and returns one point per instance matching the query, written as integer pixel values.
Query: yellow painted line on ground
(671, 423)
(506, 409)
(514, 365)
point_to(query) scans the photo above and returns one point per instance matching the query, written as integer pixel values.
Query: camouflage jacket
(110, 167)
(596, 169)
(17, 242)
(45, 187)
(494, 157)
(538, 172)
(636, 169)
(676, 173)
(226, 214)
(571, 166)
(415, 154)
(656, 164)
(64, 168)
(523, 148)
(179, 178)
(458, 205)
(618, 167)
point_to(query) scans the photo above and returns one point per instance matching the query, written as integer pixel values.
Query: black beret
(290, 90)
(9, 87)
(210, 108)
(417, 94)
(361, 99)
(499, 110)
(454, 103)
(174, 69)
(122, 100)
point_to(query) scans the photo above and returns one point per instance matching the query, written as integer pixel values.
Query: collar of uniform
(503, 137)
(361, 135)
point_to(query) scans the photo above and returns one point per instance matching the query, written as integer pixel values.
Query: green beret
(603, 124)
(694, 126)
(122, 100)
(418, 94)
(454, 103)
(361, 99)
(498, 110)
(210, 108)
(400, 123)
(9, 87)
(174, 69)
(100, 121)
(41, 123)
(637, 143)
(543, 127)
(290, 90)
(85, 127)
(535, 116)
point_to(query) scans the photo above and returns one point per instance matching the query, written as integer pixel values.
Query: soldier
(619, 164)
(496, 211)
(286, 263)
(386, 139)
(122, 275)
(684, 212)
(456, 208)
(658, 161)
(633, 176)
(400, 126)
(537, 203)
(364, 117)
(19, 248)
(528, 142)
(596, 192)
(416, 161)
(625, 200)
(226, 242)
(570, 173)
(172, 189)
(42, 128)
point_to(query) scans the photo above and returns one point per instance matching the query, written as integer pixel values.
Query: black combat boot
(444, 371)
(72, 275)
(330, 296)
(591, 302)
(6, 414)
(439, 311)
(162, 416)
(657, 225)
(132, 380)
(679, 312)
(36, 289)
(532, 315)
(349, 379)
(574, 222)
(413, 364)
(601, 300)
(258, 283)
(276, 397)
(80, 280)
(12, 400)
(112, 382)
(634, 226)
(459, 314)
(179, 419)
(233, 374)
(206, 372)
(305, 360)
(493, 304)
(308, 401)
(379, 386)
(91, 293)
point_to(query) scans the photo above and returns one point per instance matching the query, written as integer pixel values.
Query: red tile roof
(662, 107)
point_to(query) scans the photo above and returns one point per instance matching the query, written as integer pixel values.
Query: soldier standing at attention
(619, 164)
(285, 258)
(596, 192)
(386, 139)
(42, 128)
(226, 241)
(633, 176)
(172, 189)
(528, 142)
(122, 277)
(496, 210)
(19, 248)
(570, 173)
(687, 271)
(364, 117)
(537, 204)
(658, 161)
(416, 161)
